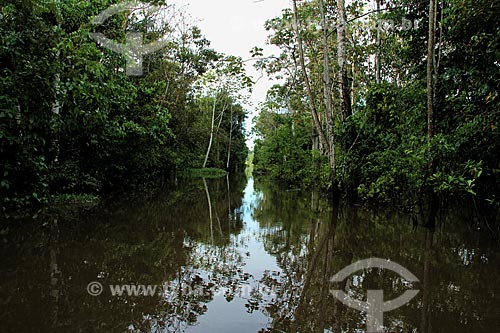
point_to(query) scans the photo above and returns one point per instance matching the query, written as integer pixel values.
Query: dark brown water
(242, 256)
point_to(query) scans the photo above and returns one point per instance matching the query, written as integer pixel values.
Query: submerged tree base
(68, 204)
(204, 173)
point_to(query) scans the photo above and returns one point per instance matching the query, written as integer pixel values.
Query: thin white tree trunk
(221, 117)
(56, 110)
(230, 140)
(56, 106)
(307, 82)
(211, 133)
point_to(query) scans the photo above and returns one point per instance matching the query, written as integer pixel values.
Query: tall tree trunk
(292, 115)
(56, 110)
(230, 140)
(307, 82)
(345, 99)
(56, 105)
(221, 117)
(327, 89)
(430, 81)
(377, 42)
(211, 133)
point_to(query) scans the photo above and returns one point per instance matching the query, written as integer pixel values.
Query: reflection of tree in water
(167, 240)
(212, 264)
(311, 242)
(297, 231)
(138, 240)
(207, 271)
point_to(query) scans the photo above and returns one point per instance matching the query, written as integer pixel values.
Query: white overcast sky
(234, 27)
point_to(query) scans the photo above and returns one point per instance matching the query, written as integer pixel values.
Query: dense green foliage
(286, 152)
(72, 121)
(382, 149)
(206, 173)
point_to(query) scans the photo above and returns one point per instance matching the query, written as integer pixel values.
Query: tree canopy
(73, 121)
(355, 103)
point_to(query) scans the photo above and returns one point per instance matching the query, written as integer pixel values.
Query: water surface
(237, 255)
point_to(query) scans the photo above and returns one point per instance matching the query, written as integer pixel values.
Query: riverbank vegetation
(72, 119)
(205, 173)
(382, 103)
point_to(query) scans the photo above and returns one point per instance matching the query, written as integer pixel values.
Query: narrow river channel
(242, 255)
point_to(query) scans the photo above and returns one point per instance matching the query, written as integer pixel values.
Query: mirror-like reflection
(232, 255)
